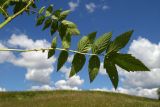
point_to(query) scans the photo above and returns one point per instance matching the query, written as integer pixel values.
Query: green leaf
(77, 63)
(63, 56)
(47, 23)
(54, 27)
(40, 20)
(73, 31)
(64, 14)
(54, 17)
(62, 30)
(101, 43)
(69, 24)
(2, 2)
(111, 70)
(66, 41)
(129, 63)
(41, 10)
(86, 42)
(120, 42)
(3, 12)
(54, 45)
(49, 11)
(93, 67)
(68, 28)
(57, 13)
(19, 6)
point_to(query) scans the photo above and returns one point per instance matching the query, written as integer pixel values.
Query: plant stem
(44, 49)
(10, 18)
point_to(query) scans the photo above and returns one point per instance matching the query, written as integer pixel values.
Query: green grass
(73, 99)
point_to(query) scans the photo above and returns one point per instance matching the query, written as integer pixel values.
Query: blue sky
(90, 15)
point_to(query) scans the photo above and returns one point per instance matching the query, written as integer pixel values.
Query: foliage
(56, 22)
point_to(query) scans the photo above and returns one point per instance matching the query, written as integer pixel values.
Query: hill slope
(73, 99)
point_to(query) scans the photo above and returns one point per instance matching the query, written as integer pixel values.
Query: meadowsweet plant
(55, 19)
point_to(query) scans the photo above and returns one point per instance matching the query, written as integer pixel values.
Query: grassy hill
(73, 99)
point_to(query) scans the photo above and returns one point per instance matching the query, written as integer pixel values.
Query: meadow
(73, 99)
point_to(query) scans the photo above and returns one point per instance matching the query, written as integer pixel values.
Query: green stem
(44, 49)
(4, 12)
(10, 18)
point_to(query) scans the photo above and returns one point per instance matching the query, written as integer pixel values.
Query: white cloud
(75, 81)
(66, 71)
(39, 75)
(150, 93)
(73, 5)
(149, 53)
(69, 83)
(42, 88)
(70, 58)
(140, 83)
(21, 40)
(101, 89)
(2, 89)
(90, 7)
(146, 51)
(141, 79)
(39, 68)
(142, 92)
(5, 56)
(102, 70)
(66, 84)
(143, 83)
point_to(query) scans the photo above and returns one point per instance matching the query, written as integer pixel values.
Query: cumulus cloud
(141, 79)
(140, 83)
(2, 89)
(39, 68)
(146, 51)
(72, 83)
(142, 92)
(65, 84)
(149, 53)
(5, 56)
(90, 7)
(42, 88)
(70, 58)
(102, 70)
(145, 92)
(69, 84)
(143, 83)
(73, 5)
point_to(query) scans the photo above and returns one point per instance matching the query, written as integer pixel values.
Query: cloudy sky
(33, 71)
